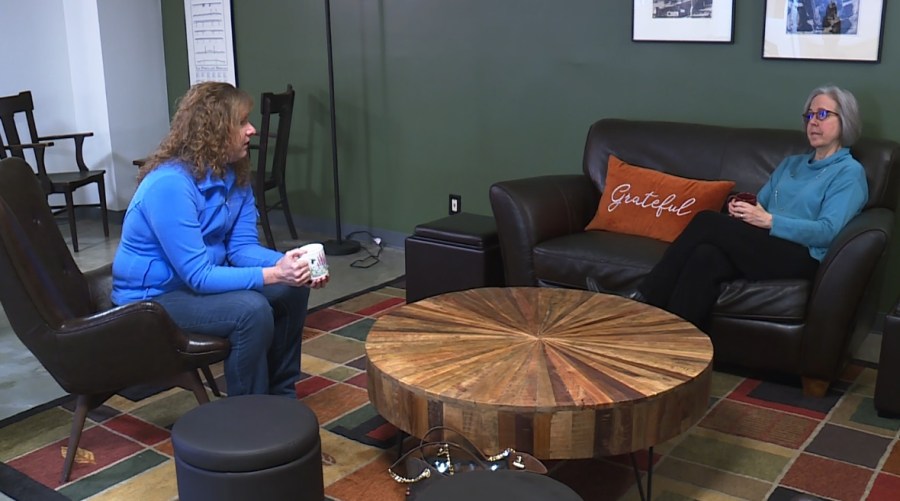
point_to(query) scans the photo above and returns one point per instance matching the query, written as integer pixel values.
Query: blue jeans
(264, 327)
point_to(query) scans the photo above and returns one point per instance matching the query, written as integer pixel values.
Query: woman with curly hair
(189, 242)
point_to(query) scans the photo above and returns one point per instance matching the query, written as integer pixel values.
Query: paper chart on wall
(210, 41)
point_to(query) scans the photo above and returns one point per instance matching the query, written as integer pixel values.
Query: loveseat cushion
(617, 261)
(782, 301)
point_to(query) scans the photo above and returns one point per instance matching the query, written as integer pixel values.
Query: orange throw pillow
(641, 201)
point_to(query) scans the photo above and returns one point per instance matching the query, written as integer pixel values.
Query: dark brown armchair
(273, 108)
(66, 320)
(63, 182)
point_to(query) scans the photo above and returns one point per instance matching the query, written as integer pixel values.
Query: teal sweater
(181, 234)
(811, 201)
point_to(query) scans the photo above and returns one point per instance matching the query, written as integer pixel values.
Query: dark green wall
(437, 97)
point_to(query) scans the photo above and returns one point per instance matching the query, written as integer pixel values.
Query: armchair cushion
(640, 201)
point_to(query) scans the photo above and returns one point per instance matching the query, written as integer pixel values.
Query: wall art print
(839, 30)
(709, 21)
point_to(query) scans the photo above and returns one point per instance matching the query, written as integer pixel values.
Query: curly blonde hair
(203, 131)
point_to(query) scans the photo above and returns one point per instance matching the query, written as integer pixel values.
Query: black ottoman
(455, 253)
(484, 485)
(249, 447)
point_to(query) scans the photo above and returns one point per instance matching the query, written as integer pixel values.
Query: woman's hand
(318, 283)
(750, 214)
(290, 270)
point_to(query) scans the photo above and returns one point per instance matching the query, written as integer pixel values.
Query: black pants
(716, 248)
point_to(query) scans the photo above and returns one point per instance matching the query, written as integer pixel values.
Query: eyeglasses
(821, 115)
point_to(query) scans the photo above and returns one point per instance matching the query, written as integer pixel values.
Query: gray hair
(848, 111)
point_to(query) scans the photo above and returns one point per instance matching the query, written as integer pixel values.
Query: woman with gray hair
(784, 234)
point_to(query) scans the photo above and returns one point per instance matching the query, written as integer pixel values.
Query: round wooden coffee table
(559, 373)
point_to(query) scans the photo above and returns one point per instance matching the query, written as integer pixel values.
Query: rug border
(352, 295)
(17, 485)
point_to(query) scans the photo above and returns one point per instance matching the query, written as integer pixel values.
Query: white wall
(135, 73)
(91, 65)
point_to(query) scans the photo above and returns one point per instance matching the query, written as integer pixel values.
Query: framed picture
(683, 21)
(840, 30)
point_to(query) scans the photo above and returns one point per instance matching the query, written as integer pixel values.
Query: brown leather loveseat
(785, 327)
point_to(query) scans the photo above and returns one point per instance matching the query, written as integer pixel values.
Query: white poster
(210, 41)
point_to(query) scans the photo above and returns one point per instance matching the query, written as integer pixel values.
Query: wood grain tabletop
(559, 373)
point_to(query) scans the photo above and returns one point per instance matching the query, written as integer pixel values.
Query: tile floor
(25, 384)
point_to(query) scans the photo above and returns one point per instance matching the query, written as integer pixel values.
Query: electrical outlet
(455, 204)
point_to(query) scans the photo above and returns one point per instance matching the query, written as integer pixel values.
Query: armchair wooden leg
(815, 387)
(191, 380)
(70, 211)
(211, 381)
(81, 409)
(101, 187)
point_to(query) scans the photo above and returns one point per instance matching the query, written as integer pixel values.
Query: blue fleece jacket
(811, 200)
(182, 234)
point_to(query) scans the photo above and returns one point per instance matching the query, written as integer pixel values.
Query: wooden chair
(65, 318)
(65, 182)
(281, 107)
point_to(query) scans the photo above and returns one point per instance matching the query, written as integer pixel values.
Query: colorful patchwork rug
(758, 440)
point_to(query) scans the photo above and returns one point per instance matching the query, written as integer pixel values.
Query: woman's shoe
(636, 295)
(594, 286)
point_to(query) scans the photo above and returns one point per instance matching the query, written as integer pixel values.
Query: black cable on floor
(373, 258)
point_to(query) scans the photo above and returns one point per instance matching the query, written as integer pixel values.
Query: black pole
(338, 246)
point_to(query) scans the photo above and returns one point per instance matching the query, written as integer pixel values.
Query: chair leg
(81, 409)
(191, 380)
(264, 220)
(101, 188)
(211, 381)
(70, 210)
(282, 192)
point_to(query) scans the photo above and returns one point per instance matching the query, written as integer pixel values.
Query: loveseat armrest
(532, 210)
(842, 290)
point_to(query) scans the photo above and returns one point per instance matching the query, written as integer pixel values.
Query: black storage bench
(455, 253)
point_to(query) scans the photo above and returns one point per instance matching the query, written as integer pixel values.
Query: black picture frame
(831, 30)
(697, 21)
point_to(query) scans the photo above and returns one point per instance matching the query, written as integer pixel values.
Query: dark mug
(744, 196)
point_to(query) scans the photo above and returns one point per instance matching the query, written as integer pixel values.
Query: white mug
(315, 256)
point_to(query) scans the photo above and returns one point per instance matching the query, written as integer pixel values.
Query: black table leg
(637, 475)
(401, 436)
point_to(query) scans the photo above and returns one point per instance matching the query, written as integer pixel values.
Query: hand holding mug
(735, 207)
(314, 257)
(745, 206)
(292, 269)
